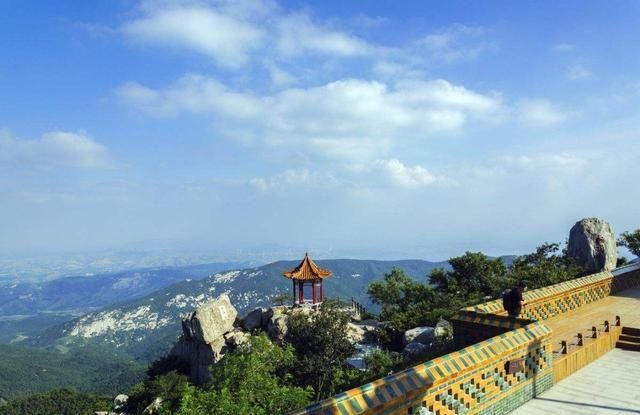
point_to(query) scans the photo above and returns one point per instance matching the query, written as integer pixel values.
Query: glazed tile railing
(474, 380)
(477, 378)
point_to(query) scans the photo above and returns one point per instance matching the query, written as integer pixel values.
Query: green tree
(546, 266)
(321, 345)
(631, 240)
(379, 363)
(405, 303)
(255, 379)
(58, 402)
(281, 299)
(473, 276)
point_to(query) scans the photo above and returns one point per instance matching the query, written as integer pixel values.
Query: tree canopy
(322, 347)
(631, 240)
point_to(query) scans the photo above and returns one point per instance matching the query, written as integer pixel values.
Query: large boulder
(203, 341)
(154, 407)
(593, 245)
(120, 402)
(210, 321)
(415, 349)
(443, 330)
(236, 337)
(254, 320)
(364, 331)
(422, 335)
(277, 327)
(199, 356)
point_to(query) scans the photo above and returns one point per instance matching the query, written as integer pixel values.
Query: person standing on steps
(513, 300)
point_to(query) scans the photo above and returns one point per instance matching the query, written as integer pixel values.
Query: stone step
(628, 346)
(632, 331)
(629, 338)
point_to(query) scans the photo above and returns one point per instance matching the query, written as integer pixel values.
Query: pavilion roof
(307, 270)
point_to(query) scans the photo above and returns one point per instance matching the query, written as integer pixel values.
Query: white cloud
(404, 176)
(297, 33)
(578, 73)
(56, 148)
(456, 43)
(227, 39)
(563, 47)
(565, 162)
(539, 112)
(292, 177)
(232, 33)
(349, 119)
(286, 178)
(278, 76)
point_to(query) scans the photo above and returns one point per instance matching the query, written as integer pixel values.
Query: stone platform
(607, 386)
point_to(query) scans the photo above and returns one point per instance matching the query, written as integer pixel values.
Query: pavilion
(307, 273)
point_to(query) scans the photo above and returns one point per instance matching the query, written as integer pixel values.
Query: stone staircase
(629, 339)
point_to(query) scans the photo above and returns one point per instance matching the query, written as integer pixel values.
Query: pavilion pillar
(317, 292)
(301, 292)
(313, 291)
(321, 292)
(295, 298)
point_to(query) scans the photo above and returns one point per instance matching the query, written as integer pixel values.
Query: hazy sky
(379, 127)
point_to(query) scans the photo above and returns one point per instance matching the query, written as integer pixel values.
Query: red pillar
(313, 291)
(294, 292)
(301, 292)
(321, 292)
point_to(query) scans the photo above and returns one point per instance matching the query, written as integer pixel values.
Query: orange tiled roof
(307, 270)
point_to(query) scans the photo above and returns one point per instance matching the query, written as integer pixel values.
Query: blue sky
(369, 128)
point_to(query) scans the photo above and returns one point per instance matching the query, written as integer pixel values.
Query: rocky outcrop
(120, 402)
(277, 327)
(203, 340)
(443, 330)
(254, 320)
(236, 337)
(210, 321)
(364, 331)
(154, 407)
(415, 349)
(593, 245)
(424, 335)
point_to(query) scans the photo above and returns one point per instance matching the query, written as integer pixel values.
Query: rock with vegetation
(443, 330)
(254, 320)
(277, 327)
(154, 407)
(236, 337)
(422, 335)
(415, 349)
(364, 331)
(120, 402)
(203, 340)
(593, 245)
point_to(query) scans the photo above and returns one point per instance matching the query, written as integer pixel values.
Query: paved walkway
(610, 385)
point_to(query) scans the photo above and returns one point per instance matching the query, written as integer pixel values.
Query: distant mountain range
(80, 294)
(146, 327)
(27, 308)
